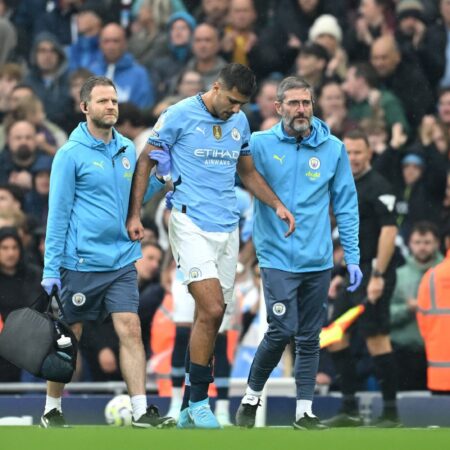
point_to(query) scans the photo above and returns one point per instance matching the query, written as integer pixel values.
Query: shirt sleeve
(245, 148)
(383, 206)
(345, 207)
(61, 200)
(167, 129)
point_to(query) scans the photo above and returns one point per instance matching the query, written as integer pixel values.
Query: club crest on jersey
(235, 134)
(279, 309)
(217, 131)
(314, 163)
(78, 299)
(126, 163)
(195, 273)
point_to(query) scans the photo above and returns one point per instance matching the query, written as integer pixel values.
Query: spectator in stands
(418, 175)
(311, 64)
(10, 76)
(22, 155)
(206, 59)
(213, 12)
(444, 27)
(433, 317)
(327, 32)
(264, 106)
(59, 21)
(375, 19)
(434, 132)
(408, 344)
(25, 19)
(148, 40)
(19, 287)
(85, 50)
(11, 198)
(189, 83)
(423, 43)
(332, 108)
(132, 125)
(49, 77)
(74, 115)
(366, 100)
(402, 77)
(36, 200)
(180, 28)
(289, 29)
(49, 137)
(8, 38)
(239, 35)
(131, 79)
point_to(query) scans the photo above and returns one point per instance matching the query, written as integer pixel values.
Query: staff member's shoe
(246, 413)
(309, 423)
(152, 419)
(53, 419)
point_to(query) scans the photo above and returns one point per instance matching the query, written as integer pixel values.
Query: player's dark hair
(424, 227)
(356, 134)
(90, 83)
(240, 77)
(293, 82)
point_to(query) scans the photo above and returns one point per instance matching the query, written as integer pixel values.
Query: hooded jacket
(55, 94)
(131, 79)
(307, 176)
(90, 186)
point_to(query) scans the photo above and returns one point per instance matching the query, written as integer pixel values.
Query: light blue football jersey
(204, 151)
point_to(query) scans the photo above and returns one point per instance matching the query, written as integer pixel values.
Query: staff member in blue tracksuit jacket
(308, 168)
(87, 246)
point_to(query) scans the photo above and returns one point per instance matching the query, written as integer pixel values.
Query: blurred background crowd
(380, 65)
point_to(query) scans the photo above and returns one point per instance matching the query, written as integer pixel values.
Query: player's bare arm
(256, 184)
(140, 182)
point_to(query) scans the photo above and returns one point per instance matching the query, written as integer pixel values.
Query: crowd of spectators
(380, 65)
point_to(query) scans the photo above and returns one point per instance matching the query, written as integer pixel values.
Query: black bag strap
(48, 298)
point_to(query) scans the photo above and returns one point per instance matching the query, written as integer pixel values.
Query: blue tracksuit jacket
(307, 176)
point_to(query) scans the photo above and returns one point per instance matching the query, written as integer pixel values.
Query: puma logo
(278, 158)
(98, 164)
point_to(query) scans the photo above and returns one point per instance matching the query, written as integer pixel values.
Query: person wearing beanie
(166, 69)
(327, 32)
(419, 41)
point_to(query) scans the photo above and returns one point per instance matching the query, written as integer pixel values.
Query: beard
(103, 124)
(298, 127)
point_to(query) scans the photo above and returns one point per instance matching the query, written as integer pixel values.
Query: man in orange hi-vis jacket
(433, 317)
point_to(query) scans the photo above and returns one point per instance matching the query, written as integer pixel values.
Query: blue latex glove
(169, 204)
(162, 157)
(48, 283)
(355, 275)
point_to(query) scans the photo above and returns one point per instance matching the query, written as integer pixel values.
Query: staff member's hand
(355, 275)
(49, 283)
(135, 228)
(162, 157)
(284, 214)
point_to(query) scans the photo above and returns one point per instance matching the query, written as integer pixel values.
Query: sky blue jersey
(204, 151)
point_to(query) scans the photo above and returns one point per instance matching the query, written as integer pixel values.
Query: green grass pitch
(110, 438)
